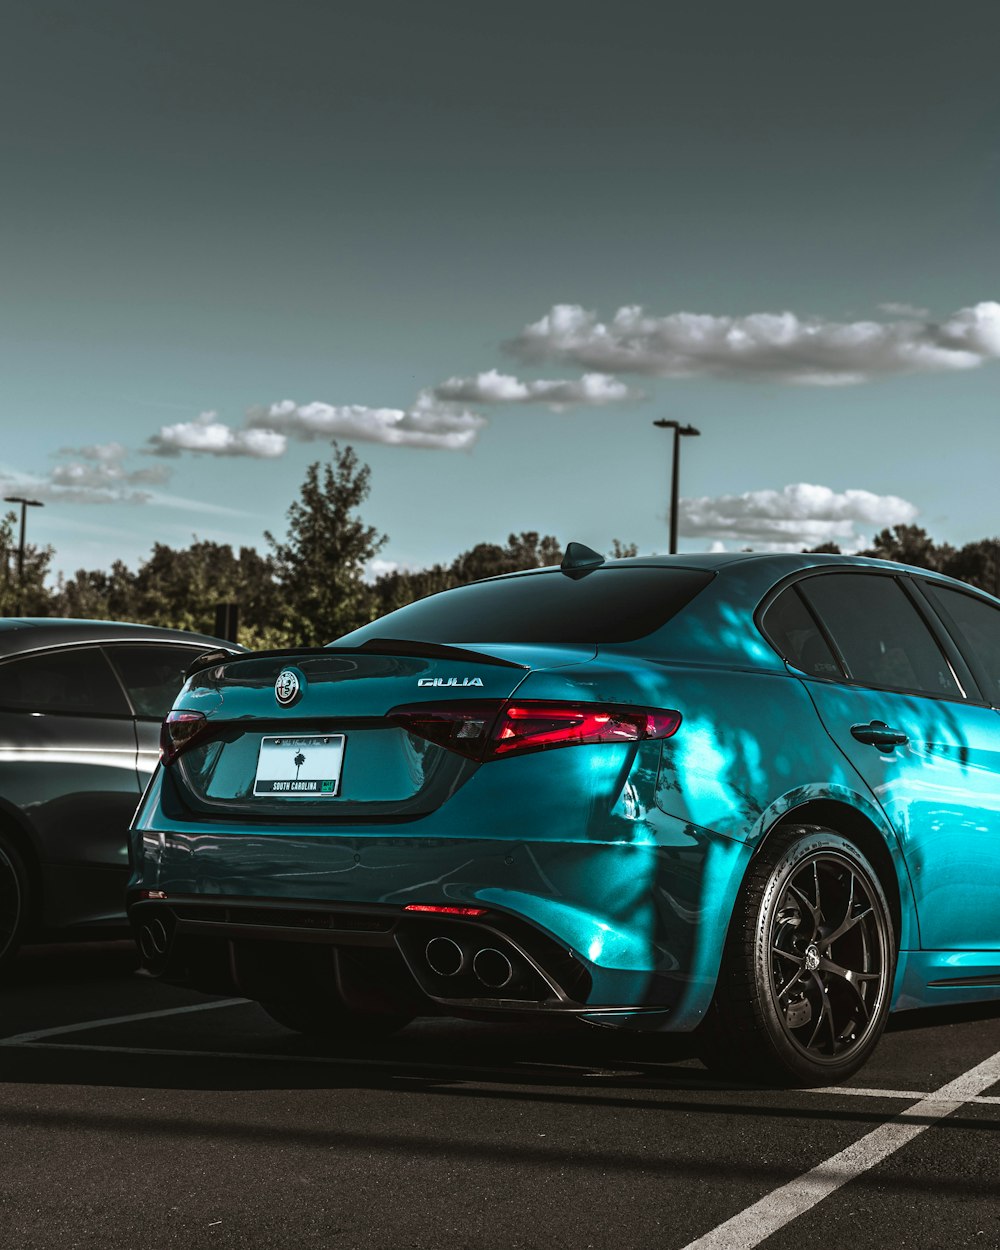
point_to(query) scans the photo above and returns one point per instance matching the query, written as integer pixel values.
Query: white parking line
(84, 1026)
(758, 1222)
(903, 1095)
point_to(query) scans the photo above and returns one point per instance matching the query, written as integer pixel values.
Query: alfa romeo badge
(287, 687)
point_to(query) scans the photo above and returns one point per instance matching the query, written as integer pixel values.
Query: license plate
(303, 767)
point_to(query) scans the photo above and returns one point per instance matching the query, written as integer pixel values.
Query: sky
(488, 246)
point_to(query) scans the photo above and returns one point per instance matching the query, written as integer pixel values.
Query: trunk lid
(316, 744)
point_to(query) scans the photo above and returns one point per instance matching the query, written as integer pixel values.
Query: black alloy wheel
(13, 901)
(805, 985)
(332, 1022)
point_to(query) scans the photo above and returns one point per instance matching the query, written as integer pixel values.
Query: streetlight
(25, 505)
(679, 432)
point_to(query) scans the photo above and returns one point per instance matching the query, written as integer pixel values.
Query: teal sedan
(752, 797)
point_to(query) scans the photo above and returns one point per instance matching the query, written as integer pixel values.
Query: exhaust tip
(444, 956)
(154, 940)
(158, 934)
(493, 968)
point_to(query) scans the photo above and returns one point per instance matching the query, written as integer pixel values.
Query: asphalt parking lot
(137, 1115)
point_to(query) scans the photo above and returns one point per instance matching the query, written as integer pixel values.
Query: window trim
(968, 687)
(824, 633)
(950, 627)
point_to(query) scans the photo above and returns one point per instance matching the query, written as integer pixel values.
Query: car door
(152, 673)
(929, 753)
(67, 762)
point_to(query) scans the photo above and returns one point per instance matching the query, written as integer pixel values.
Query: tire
(806, 978)
(333, 1023)
(14, 901)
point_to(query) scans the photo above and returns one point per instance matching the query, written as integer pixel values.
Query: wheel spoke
(850, 920)
(848, 974)
(824, 1012)
(804, 900)
(789, 985)
(816, 888)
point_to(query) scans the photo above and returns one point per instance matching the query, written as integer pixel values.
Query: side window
(152, 673)
(791, 628)
(976, 625)
(881, 635)
(74, 683)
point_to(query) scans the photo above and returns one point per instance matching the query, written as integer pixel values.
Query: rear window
(606, 605)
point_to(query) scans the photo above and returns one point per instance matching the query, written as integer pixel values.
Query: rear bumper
(622, 933)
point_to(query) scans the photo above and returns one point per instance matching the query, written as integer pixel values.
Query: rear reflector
(487, 730)
(446, 911)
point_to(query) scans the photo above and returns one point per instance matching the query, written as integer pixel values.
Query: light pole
(679, 432)
(25, 505)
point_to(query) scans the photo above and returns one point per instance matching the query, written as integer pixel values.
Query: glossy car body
(80, 707)
(814, 692)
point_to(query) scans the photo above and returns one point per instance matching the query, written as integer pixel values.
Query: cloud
(379, 567)
(493, 387)
(428, 423)
(439, 418)
(781, 347)
(98, 475)
(213, 437)
(104, 469)
(904, 310)
(103, 479)
(71, 484)
(103, 453)
(800, 515)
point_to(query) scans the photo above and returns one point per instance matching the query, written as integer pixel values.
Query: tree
(829, 549)
(909, 544)
(976, 563)
(623, 551)
(182, 588)
(31, 595)
(94, 595)
(400, 587)
(321, 565)
(523, 551)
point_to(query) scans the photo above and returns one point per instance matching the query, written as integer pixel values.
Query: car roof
(33, 633)
(783, 562)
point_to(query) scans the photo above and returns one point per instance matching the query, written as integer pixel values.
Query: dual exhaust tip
(491, 967)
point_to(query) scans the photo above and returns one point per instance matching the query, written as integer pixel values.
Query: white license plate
(303, 767)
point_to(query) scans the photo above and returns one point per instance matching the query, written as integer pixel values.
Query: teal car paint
(603, 789)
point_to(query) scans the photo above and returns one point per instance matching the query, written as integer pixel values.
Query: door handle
(879, 734)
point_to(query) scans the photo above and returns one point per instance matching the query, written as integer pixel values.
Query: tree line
(311, 585)
(302, 589)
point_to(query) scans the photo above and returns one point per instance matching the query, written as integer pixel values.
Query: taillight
(178, 731)
(532, 726)
(440, 909)
(484, 731)
(461, 727)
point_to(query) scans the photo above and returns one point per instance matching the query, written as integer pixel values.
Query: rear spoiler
(376, 646)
